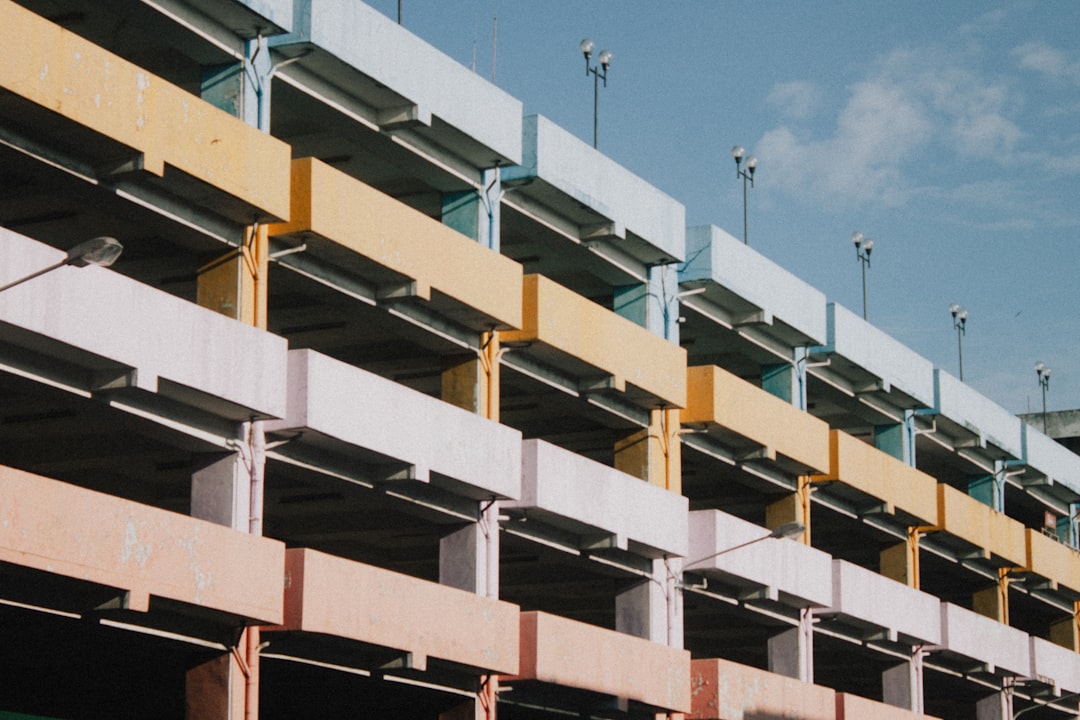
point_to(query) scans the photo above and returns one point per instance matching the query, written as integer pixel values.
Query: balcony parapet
(904, 490)
(754, 422)
(118, 118)
(778, 569)
(1055, 561)
(95, 330)
(399, 620)
(999, 649)
(1057, 666)
(725, 690)
(992, 533)
(141, 552)
(868, 604)
(571, 654)
(388, 433)
(599, 504)
(400, 252)
(578, 337)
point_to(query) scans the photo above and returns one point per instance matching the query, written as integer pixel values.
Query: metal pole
(1043, 382)
(595, 104)
(862, 261)
(960, 347)
(745, 232)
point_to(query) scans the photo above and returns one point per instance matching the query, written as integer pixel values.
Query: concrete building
(400, 404)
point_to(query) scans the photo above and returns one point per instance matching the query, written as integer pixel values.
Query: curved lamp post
(599, 72)
(959, 323)
(747, 175)
(101, 251)
(1043, 373)
(863, 247)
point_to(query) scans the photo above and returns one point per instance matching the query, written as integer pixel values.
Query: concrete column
(463, 559)
(475, 213)
(998, 706)
(221, 490)
(992, 603)
(214, 690)
(792, 508)
(463, 382)
(896, 563)
(653, 453)
(902, 685)
(642, 610)
(892, 439)
(663, 318)
(984, 489)
(1066, 633)
(632, 302)
(791, 653)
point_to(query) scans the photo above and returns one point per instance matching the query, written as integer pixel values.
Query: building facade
(401, 404)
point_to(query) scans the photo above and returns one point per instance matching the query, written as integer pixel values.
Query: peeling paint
(133, 549)
(44, 72)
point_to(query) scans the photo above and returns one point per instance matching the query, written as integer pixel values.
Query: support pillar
(902, 685)
(892, 440)
(215, 689)
(998, 706)
(642, 610)
(993, 602)
(791, 653)
(792, 508)
(220, 490)
(653, 453)
(475, 212)
(1066, 632)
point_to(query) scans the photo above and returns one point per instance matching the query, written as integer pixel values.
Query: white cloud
(1047, 60)
(798, 99)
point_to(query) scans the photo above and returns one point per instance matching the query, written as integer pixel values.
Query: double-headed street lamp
(747, 175)
(599, 72)
(101, 251)
(1043, 374)
(863, 247)
(959, 323)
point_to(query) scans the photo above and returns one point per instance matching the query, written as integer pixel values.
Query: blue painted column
(475, 213)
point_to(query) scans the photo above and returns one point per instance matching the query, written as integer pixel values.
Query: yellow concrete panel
(67, 530)
(59, 70)
(573, 654)
(715, 396)
(334, 596)
(357, 217)
(1053, 560)
(876, 473)
(561, 319)
(978, 523)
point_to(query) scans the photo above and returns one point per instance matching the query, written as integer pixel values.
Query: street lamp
(959, 323)
(863, 247)
(101, 251)
(787, 530)
(1043, 374)
(599, 72)
(737, 152)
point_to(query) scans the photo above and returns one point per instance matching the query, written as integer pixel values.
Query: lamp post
(747, 175)
(1043, 374)
(863, 247)
(959, 323)
(599, 72)
(101, 251)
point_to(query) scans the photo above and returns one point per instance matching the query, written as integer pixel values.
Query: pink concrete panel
(333, 596)
(853, 707)
(74, 532)
(724, 690)
(573, 654)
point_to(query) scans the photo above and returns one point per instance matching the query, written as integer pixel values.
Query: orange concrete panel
(724, 690)
(979, 524)
(59, 70)
(357, 217)
(1053, 560)
(559, 318)
(333, 596)
(880, 475)
(74, 532)
(717, 397)
(573, 654)
(853, 707)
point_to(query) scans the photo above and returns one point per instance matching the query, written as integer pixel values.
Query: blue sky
(947, 131)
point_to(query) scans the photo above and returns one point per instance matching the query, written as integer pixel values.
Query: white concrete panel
(984, 640)
(1060, 665)
(715, 255)
(587, 492)
(107, 320)
(588, 176)
(783, 564)
(372, 43)
(369, 412)
(865, 595)
(1052, 459)
(966, 407)
(279, 12)
(876, 352)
